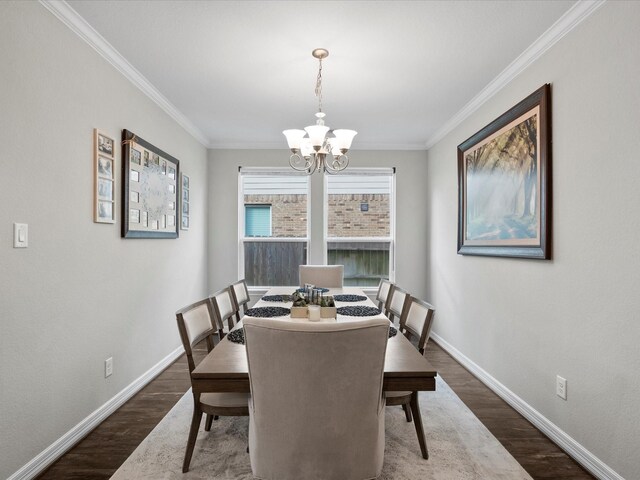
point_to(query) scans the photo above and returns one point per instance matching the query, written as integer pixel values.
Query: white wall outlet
(561, 387)
(20, 235)
(108, 367)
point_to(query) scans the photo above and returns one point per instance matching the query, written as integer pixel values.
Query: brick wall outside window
(289, 214)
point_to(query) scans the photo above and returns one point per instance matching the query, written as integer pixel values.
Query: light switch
(20, 235)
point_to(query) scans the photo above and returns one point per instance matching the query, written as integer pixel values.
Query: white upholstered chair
(224, 309)
(240, 295)
(327, 276)
(395, 302)
(196, 323)
(383, 293)
(317, 406)
(415, 321)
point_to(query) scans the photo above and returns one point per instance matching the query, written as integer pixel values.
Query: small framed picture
(163, 167)
(155, 159)
(105, 145)
(136, 156)
(171, 173)
(105, 189)
(105, 167)
(171, 188)
(171, 220)
(104, 210)
(146, 158)
(144, 218)
(134, 197)
(134, 176)
(134, 215)
(184, 202)
(172, 205)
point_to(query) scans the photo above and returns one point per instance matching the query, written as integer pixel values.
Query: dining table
(225, 368)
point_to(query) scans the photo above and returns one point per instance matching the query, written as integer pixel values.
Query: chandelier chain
(319, 86)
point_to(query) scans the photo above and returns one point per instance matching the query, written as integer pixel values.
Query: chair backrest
(327, 276)
(383, 292)
(223, 307)
(240, 296)
(195, 323)
(416, 320)
(395, 302)
(316, 407)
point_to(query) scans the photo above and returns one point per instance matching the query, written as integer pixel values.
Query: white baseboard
(58, 448)
(584, 457)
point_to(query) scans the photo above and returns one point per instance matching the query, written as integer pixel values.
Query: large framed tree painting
(504, 183)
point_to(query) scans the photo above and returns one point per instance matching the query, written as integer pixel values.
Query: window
(359, 230)
(273, 226)
(257, 220)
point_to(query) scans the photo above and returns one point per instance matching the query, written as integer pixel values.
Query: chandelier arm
(295, 164)
(342, 161)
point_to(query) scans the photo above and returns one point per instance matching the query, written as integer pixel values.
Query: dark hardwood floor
(100, 454)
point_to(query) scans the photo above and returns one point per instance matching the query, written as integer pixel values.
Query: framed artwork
(184, 203)
(103, 178)
(149, 195)
(504, 183)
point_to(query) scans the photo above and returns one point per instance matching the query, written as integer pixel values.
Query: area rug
(460, 447)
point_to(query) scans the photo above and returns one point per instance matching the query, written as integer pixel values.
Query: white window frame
(241, 218)
(391, 172)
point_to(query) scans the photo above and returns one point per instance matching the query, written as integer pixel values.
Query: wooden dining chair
(395, 302)
(195, 324)
(316, 408)
(223, 309)
(415, 321)
(240, 295)
(383, 292)
(327, 276)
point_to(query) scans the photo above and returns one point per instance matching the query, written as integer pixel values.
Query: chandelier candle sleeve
(311, 146)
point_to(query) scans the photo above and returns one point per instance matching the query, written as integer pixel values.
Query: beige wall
(411, 258)
(526, 321)
(79, 293)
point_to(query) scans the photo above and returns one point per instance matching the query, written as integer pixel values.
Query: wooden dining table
(225, 368)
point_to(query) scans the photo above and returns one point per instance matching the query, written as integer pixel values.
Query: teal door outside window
(257, 220)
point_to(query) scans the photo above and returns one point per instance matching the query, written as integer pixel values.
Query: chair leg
(417, 420)
(407, 411)
(207, 426)
(193, 433)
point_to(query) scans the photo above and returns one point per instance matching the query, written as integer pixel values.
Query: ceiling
(397, 71)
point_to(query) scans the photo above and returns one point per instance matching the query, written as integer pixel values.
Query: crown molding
(571, 19)
(67, 15)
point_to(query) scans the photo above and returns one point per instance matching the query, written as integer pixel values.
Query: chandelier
(313, 149)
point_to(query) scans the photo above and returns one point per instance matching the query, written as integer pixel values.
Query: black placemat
(277, 298)
(237, 336)
(349, 298)
(266, 312)
(322, 289)
(359, 311)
